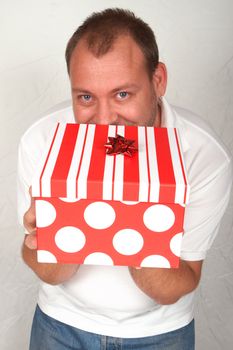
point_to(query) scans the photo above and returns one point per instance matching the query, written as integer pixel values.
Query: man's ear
(160, 79)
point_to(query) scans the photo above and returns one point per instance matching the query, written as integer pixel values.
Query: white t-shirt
(105, 299)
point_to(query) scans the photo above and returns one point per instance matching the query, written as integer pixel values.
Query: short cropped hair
(101, 29)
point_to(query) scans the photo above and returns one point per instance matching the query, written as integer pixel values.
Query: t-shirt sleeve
(24, 174)
(203, 214)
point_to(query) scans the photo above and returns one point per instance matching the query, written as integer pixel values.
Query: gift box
(111, 195)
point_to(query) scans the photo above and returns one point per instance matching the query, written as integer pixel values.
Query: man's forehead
(124, 48)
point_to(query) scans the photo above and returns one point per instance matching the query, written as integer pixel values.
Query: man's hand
(49, 273)
(166, 286)
(29, 221)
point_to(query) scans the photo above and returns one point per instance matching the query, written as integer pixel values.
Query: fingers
(31, 241)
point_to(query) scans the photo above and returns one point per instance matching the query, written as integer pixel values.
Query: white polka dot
(129, 202)
(99, 215)
(98, 259)
(45, 256)
(158, 218)
(175, 244)
(45, 213)
(128, 242)
(69, 200)
(155, 261)
(70, 239)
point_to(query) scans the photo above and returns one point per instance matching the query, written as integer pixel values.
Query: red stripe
(96, 169)
(114, 167)
(64, 158)
(165, 167)
(51, 146)
(113, 175)
(80, 163)
(182, 165)
(113, 172)
(131, 168)
(148, 166)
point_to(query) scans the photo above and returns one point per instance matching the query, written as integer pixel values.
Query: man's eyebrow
(119, 88)
(126, 87)
(81, 90)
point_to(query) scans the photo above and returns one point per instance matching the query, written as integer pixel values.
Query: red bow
(120, 145)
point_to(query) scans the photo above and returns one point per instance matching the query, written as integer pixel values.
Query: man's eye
(122, 95)
(85, 98)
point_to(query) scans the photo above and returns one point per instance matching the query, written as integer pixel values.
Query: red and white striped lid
(75, 165)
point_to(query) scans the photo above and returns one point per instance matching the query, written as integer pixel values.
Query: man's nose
(105, 114)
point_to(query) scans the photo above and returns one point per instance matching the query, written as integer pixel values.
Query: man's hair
(101, 29)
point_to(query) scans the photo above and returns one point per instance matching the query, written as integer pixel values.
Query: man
(116, 78)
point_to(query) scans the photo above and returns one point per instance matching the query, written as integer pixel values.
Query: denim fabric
(50, 334)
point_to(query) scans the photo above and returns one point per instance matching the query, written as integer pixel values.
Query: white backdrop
(196, 43)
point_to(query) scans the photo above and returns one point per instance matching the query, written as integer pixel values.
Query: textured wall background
(195, 40)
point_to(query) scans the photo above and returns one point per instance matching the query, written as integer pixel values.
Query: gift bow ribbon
(120, 145)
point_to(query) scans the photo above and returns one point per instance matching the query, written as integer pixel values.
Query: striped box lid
(75, 165)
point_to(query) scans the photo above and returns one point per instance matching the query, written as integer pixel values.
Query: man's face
(115, 88)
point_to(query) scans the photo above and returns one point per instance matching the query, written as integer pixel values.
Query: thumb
(30, 215)
(32, 198)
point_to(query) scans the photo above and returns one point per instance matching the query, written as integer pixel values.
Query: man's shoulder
(199, 135)
(206, 157)
(193, 122)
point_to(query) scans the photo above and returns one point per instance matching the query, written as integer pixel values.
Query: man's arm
(49, 273)
(166, 286)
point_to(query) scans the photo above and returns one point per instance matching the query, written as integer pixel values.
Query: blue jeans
(50, 334)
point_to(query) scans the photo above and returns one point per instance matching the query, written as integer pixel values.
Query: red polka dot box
(111, 195)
